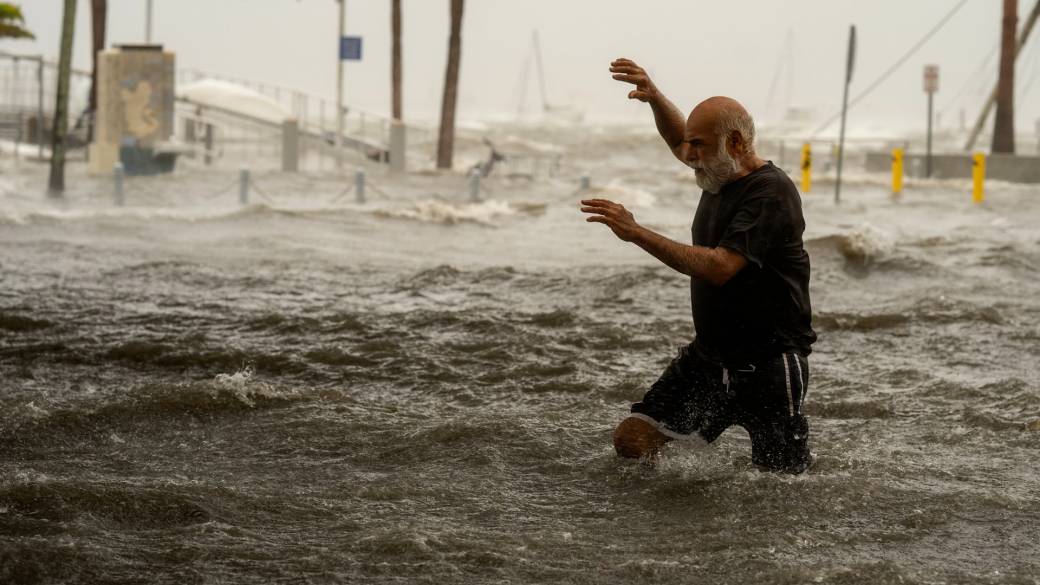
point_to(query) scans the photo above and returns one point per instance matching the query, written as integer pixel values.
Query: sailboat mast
(541, 70)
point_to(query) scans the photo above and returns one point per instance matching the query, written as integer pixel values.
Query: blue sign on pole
(350, 49)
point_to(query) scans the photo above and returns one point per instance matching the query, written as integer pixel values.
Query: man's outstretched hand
(614, 215)
(626, 70)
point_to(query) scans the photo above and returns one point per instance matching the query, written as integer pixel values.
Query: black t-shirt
(764, 309)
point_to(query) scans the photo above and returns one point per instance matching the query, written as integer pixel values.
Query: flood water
(420, 389)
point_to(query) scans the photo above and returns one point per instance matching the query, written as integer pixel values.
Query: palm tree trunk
(99, 14)
(446, 141)
(1004, 125)
(56, 184)
(396, 73)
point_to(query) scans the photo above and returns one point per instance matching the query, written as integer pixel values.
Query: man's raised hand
(626, 70)
(614, 215)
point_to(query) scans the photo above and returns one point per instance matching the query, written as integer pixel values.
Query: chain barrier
(264, 196)
(220, 192)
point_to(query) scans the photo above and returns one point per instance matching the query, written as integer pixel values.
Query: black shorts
(696, 399)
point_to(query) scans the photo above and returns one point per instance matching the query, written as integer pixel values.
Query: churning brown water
(422, 390)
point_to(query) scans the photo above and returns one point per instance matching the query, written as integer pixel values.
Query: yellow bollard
(978, 177)
(806, 168)
(897, 172)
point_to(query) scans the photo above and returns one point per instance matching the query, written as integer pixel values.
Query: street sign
(350, 48)
(931, 78)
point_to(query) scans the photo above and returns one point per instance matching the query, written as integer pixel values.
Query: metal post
(474, 185)
(806, 168)
(844, 108)
(117, 182)
(339, 83)
(243, 186)
(39, 106)
(928, 142)
(585, 183)
(359, 185)
(897, 172)
(978, 177)
(207, 143)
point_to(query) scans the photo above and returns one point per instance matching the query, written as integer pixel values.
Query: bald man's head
(720, 135)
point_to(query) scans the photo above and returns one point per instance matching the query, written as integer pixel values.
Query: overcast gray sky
(693, 48)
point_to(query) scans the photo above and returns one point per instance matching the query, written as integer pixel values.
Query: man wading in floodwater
(749, 281)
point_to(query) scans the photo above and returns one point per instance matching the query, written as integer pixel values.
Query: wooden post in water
(56, 184)
(446, 140)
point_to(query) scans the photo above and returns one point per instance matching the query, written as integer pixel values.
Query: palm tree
(446, 142)
(11, 21)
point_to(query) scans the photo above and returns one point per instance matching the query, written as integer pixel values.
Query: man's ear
(736, 144)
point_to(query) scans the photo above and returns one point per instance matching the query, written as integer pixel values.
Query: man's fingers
(625, 69)
(596, 200)
(598, 219)
(637, 79)
(635, 94)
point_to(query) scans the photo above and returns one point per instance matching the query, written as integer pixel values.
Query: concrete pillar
(290, 145)
(135, 107)
(398, 136)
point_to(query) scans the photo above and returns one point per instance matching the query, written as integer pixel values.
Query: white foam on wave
(865, 243)
(434, 211)
(139, 213)
(200, 213)
(242, 386)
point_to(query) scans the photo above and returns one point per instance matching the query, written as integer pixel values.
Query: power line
(981, 70)
(888, 72)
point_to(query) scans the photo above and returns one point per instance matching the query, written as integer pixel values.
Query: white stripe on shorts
(801, 384)
(787, 378)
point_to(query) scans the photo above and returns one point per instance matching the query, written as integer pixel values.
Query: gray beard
(714, 175)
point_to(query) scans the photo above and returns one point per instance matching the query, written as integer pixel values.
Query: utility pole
(395, 26)
(56, 185)
(1034, 15)
(98, 16)
(148, 23)
(1004, 125)
(339, 82)
(446, 139)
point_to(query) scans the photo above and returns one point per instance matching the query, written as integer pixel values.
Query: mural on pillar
(139, 112)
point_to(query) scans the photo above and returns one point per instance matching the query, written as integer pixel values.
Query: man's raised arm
(669, 119)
